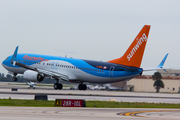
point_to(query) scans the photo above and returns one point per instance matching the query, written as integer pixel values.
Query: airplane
(160, 66)
(111, 88)
(31, 84)
(99, 87)
(163, 61)
(35, 67)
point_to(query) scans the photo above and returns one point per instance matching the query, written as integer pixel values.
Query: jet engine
(33, 76)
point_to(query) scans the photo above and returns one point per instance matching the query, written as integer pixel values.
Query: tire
(80, 87)
(14, 79)
(60, 86)
(55, 86)
(84, 86)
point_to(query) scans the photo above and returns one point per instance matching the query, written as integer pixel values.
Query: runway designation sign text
(69, 103)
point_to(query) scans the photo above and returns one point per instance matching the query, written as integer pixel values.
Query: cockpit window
(7, 58)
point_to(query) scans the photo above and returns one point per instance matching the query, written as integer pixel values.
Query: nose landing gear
(14, 78)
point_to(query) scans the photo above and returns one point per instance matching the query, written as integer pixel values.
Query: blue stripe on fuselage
(90, 66)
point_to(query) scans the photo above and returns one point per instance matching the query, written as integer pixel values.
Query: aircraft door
(111, 71)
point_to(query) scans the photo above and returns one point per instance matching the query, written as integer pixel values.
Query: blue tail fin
(163, 61)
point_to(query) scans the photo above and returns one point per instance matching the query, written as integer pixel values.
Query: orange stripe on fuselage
(133, 55)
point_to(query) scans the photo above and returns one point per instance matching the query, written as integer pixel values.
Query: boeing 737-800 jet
(36, 67)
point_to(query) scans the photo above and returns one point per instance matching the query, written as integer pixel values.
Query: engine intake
(33, 76)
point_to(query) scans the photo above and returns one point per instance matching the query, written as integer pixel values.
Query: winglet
(163, 61)
(13, 59)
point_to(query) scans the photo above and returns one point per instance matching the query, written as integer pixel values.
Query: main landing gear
(58, 86)
(14, 78)
(82, 87)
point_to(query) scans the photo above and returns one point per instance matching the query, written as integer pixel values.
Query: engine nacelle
(33, 76)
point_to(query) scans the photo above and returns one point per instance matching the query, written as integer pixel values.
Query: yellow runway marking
(138, 112)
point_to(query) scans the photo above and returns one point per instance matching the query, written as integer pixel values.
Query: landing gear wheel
(55, 86)
(58, 86)
(14, 79)
(82, 87)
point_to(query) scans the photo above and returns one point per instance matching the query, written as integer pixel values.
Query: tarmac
(70, 113)
(118, 96)
(60, 113)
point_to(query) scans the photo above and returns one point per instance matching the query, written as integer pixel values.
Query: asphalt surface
(91, 95)
(46, 113)
(59, 113)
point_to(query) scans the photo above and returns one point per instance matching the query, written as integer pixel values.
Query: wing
(46, 73)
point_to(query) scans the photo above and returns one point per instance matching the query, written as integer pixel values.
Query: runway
(91, 95)
(46, 113)
(59, 113)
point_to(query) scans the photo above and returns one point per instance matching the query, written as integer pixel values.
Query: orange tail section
(133, 55)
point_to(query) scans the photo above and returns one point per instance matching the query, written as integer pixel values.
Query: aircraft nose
(7, 62)
(3, 63)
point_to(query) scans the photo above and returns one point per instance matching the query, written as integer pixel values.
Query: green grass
(27, 103)
(109, 104)
(98, 104)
